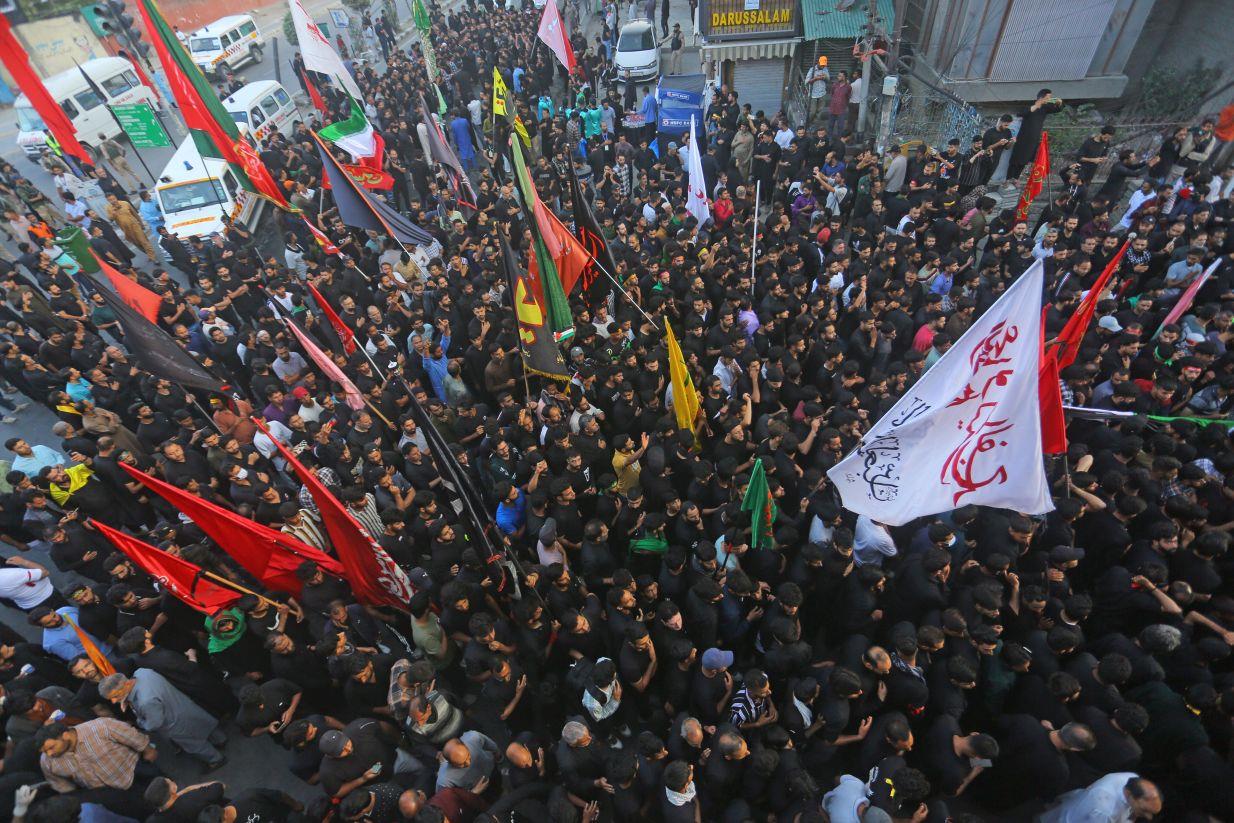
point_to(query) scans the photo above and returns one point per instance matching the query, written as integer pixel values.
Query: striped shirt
(369, 517)
(308, 530)
(746, 708)
(105, 757)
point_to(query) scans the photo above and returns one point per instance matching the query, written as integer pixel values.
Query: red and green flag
(547, 248)
(761, 506)
(213, 130)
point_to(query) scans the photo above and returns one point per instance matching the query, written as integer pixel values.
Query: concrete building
(749, 45)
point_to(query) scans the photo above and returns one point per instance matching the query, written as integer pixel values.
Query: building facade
(749, 46)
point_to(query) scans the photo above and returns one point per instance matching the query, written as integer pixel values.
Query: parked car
(638, 52)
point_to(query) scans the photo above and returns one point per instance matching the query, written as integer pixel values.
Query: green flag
(442, 108)
(543, 262)
(211, 126)
(761, 507)
(354, 135)
(420, 15)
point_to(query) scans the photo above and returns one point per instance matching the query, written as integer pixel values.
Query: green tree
(289, 30)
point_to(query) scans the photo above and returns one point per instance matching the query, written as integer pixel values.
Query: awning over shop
(751, 50)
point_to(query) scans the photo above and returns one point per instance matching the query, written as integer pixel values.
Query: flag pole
(197, 403)
(758, 190)
(367, 402)
(522, 352)
(223, 581)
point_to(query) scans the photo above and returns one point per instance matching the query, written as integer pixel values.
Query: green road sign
(142, 127)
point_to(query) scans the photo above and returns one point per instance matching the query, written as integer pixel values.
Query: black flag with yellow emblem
(535, 336)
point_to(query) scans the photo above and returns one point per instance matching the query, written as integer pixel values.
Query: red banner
(15, 59)
(366, 176)
(144, 302)
(1036, 177)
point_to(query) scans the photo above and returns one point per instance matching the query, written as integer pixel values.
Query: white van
(233, 40)
(114, 75)
(195, 192)
(265, 107)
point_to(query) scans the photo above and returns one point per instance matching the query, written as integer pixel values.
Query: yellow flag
(685, 398)
(500, 93)
(522, 131)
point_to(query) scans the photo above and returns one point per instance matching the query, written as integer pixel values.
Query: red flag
(552, 32)
(314, 94)
(258, 174)
(1036, 177)
(1067, 346)
(322, 240)
(324, 362)
(344, 332)
(142, 300)
(177, 575)
(1050, 399)
(365, 175)
(375, 578)
(270, 556)
(377, 159)
(565, 249)
(15, 59)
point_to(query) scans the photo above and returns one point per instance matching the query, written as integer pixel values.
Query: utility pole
(893, 71)
(867, 70)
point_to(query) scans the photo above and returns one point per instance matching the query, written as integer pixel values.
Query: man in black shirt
(354, 756)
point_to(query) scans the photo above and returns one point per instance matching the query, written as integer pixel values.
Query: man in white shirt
(26, 584)
(1116, 798)
(310, 410)
(816, 82)
(264, 444)
(784, 136)
(872, 543)
(1143, 193)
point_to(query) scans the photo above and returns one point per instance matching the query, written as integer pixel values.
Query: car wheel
(256, 54)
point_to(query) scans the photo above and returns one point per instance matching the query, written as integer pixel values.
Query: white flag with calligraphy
(318, 54)
(969, 431)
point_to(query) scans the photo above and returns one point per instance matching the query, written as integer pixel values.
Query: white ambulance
(195, 193)
(264, 107)
(231, 41)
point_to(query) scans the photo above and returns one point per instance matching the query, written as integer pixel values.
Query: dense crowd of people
(639, 656)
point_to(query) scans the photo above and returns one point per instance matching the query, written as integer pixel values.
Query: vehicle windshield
(28, 119)
(194, 195)
(204, 44)
(240, 116)
(639, 39)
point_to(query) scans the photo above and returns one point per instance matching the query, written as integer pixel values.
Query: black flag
(541, 355)
(594, 286)
(155, 350)
(359, 209)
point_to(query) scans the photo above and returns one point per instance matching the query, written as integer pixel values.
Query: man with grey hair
(582, 760)
(161, 708)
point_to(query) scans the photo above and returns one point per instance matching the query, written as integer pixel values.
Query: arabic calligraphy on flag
(968, 432)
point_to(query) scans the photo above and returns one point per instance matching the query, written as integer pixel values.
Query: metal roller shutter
(760, 83)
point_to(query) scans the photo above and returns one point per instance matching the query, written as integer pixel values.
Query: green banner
(74, 241)
(143, 128)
